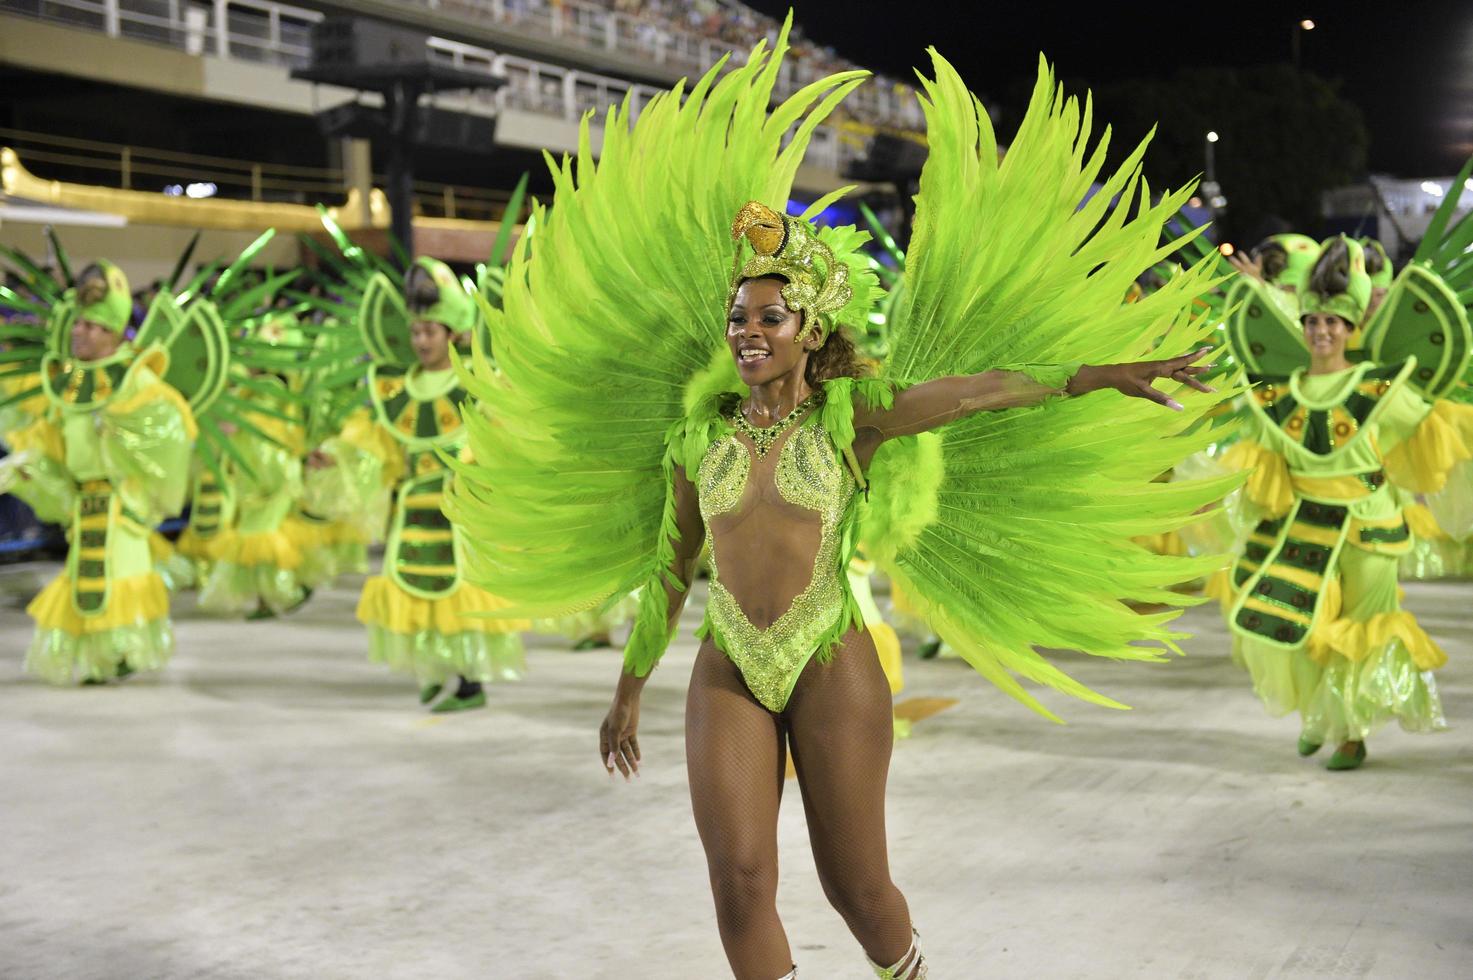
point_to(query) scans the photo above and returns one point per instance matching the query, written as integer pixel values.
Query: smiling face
(1326, 335)
(763, 333)
(93, 341)
(431, 342)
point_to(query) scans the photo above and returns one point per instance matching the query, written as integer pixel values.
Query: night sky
(1408, 66)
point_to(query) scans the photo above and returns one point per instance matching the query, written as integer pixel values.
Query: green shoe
(453, 703)
(428, 694)
(260, 613)
(94, 681)
(929, 649)
(306, 597)
(1341, 761)
(592, 643)
(1308, 748)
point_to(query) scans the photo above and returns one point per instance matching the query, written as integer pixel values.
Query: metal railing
(591, 26)
(255, 30)
(198, 175)
(268, 32)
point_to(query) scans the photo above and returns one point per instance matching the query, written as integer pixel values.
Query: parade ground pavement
(272, 805)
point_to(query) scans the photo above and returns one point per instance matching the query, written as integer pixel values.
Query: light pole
(1211, 192)
(1298, 30)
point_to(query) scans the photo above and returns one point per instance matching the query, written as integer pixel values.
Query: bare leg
(736, 759)
(839, 723)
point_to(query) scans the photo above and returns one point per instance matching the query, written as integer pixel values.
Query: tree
(1287, 136)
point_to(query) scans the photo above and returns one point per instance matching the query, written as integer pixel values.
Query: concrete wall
(59, 50)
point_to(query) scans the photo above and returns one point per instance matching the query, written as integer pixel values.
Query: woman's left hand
(1135, 379)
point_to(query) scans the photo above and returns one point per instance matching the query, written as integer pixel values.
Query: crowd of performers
(672, 373)
(295, 443)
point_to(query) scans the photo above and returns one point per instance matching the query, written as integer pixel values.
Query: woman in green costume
(109, 459)
(206, 537)
(422, 617)
(658, 386)
(257, 571)
(1336, 449)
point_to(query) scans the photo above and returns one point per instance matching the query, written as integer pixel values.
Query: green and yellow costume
(258, 563)
(422, 616)
(1335, 458)
(108, 460)
(211, 517)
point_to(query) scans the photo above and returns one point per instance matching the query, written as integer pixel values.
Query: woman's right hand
(618, 739)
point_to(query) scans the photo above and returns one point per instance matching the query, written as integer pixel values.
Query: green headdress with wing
(435, 293)
(1378, 263)
(103, 297)
(1339, 284)
(1300, 252)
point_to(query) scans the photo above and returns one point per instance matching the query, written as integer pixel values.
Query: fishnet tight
(838, 723)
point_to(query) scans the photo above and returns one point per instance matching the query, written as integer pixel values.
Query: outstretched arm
(932, 404)
(618, 742)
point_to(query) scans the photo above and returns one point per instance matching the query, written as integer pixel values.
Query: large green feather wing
(1025, 541)
(605, 323)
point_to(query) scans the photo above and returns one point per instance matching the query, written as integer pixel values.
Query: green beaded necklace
(762, 439)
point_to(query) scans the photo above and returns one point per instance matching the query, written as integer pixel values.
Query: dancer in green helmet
(1347, 420)
(108, 459)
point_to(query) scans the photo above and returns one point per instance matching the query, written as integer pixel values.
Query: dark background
(1407, 66)
(1380, 88)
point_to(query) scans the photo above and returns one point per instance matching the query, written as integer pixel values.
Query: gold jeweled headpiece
(818, 283)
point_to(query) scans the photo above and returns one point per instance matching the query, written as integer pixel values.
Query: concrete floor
(273, 806)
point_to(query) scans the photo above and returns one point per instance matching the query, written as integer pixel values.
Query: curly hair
(91, 285)
(837, 357)
(1331, 273)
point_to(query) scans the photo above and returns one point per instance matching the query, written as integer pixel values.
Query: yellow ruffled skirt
(174, 567)
(133, 629)
(253, 570)
(437, 639)
(328, 549)
(1362, 666)
(202, 550)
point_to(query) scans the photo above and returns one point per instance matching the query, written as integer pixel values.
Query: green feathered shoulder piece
(1010, 531)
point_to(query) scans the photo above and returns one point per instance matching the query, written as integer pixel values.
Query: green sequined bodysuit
(814, 490)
